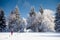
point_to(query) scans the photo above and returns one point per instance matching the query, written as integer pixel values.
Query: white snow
(30, 36)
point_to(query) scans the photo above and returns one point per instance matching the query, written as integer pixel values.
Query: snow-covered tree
(14, 20)
(57, 19)
(30, 21)
(2, 21)
(47, 21)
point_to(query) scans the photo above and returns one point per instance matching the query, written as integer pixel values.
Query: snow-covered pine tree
(14, 20)
(2, 21)
(46, 23)
(57, 19)
(31, 25)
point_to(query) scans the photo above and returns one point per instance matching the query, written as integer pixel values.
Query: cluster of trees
(34, 23)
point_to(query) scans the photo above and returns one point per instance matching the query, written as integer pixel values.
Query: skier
(12, 31)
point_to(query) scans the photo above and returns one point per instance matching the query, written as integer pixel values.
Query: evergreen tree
(31, 25)
(14, 20)
(57, 19)
(45, 23)
(2, 21)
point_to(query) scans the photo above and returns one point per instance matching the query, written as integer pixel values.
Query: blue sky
(25, 5)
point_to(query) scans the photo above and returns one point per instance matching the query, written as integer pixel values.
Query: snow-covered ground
(30, 36)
